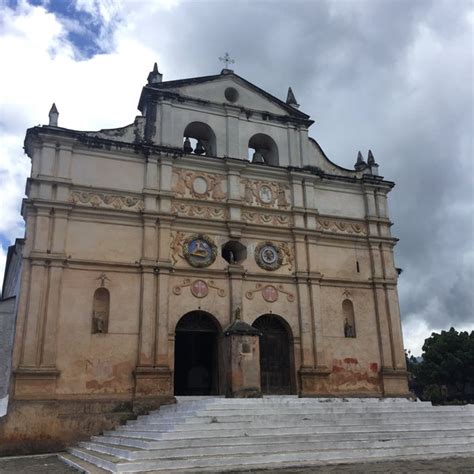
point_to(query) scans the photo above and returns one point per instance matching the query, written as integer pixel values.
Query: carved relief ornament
(265, 193)
(205, 212)
(341, 227)
(265, 219)
(111, 201)
(271, 256)
(198, 185)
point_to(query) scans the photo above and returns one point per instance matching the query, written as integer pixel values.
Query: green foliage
(446, 371)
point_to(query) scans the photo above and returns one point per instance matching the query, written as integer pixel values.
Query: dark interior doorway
(275, 360)
(196, 355)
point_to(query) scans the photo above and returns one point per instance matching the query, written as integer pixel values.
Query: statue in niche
(98, 322)
(237, 313)
(248, 193)
(348, 329)
(281, 197)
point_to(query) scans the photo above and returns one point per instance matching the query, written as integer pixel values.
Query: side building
(145, 243)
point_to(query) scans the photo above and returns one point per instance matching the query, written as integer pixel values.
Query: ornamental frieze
(204, 212)
(265, 219)
(198, 288)
(198, 185)
(110, 201)
(265, 194)
(341, 227)
(270, 293)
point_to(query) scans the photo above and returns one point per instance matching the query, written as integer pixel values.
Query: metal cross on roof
(226, 59)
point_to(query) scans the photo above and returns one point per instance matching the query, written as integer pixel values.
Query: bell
(199, 150)
(257, 157)
(187, 146)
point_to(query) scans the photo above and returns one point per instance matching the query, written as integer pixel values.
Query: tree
(446, 371)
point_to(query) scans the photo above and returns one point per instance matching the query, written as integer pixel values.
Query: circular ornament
(270, 294)
(268, 256)
(199, 250)
(265, 194)
(200, 186)
(199, 289)
(231, 94)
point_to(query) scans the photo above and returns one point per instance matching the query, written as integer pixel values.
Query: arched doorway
(196, 355)
(275, 355)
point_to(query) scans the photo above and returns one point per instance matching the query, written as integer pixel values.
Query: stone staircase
(219, 435)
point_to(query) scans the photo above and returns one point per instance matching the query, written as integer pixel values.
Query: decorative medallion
(199, 289)
(200, 186)
(268, 256)
(270, 293)
(199, 250)
(265, 194)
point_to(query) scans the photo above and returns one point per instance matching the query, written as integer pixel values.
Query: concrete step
(148, 443)
(115, 464)
(260, 431)
(132, 454)
(234, 420)
(81, 464)
(282, 425)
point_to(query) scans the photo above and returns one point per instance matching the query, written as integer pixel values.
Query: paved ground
(50, 464)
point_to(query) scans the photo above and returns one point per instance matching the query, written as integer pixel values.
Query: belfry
(208, 248)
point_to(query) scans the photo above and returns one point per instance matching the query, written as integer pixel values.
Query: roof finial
(291, 99)
(53, 116)
(227, 60)
(372, 164)
(360, 163)
(155, 76)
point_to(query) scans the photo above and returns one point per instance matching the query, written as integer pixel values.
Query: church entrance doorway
(275, 356)
(196, 365)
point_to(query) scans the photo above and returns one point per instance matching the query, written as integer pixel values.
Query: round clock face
(268, 256)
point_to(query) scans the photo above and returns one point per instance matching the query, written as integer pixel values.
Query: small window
(234, 252)
(100, 311)
(349, 320)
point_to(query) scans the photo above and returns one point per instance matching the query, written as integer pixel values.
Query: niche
(100, 311)
(349, 321)
(234, 252)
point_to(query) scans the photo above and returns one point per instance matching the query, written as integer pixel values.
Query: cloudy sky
(393, 76)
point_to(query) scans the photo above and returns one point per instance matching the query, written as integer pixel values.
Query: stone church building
(209, 248)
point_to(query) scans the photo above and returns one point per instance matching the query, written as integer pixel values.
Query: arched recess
(199, 139)
(349, 319)
(100, 311)
(276, 355)
(197, 355)
(263, 149)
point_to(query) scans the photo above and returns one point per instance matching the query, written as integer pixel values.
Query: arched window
(199, 139)
(263, 149)
(100, 311)
(349, 320)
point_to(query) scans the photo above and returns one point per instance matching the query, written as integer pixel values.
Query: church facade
(144, 244)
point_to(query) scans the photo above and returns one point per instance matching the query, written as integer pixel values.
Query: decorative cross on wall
(226, 59)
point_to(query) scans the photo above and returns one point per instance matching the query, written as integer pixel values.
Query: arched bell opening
(197, 355)
(276, 355)
(263, 149)
(199, 139)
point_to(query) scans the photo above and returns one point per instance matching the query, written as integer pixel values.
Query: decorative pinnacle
(371, 159)
(155, 76)
(360, 163)
(291, 99)
(53, 116)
